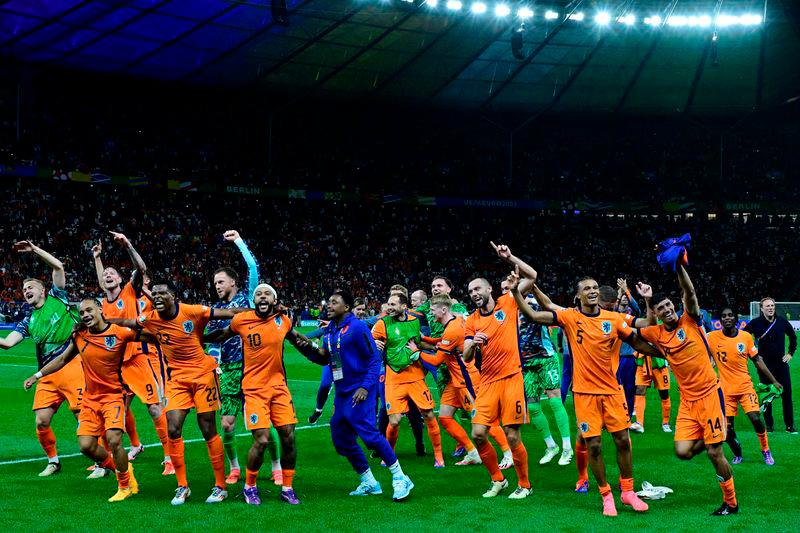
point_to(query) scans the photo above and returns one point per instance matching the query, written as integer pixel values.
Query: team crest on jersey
(110, 342)
(740, 347)
(254, 418)
(500, 316)
(120, 304)
(388, 406)
(188, 326)
(278, 321)
(606, 325)
(584, 427)
(681, 335)
(474, 412)
(141, 305)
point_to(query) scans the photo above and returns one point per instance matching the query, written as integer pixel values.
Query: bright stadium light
(454, 5)
(628, 20)
(677, 20)
(602, 18)
(502, 10)
(550, 15)
(577, 17)
(727, 20)
(524, 13)
(750, 20)
(704, 21)
(655, 20)
(432, 3)
(478, 8)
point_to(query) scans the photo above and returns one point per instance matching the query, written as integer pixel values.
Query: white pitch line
(19, 366)
(190, 441)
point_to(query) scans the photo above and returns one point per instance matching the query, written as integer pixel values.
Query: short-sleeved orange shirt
(126, 305)
(500, 355)
(102, 354)
(689, 356)
(451, 347)
(594, 341)
(180, 338)
(411, 373)
(262, 344)
(732, 354)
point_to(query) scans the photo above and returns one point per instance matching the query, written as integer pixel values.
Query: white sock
(507, 454)
(367, 477)
(235, 463)
(53, 459)
(565, 443)
(396, 470)
(549, 441)
(276, 465)
(474, 453)
(286, 489)
(168, 458)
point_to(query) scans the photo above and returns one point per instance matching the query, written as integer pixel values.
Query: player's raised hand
(622, 284)
(97, 249)
(23, 247)
(502, 251)
(231, 235)
(120, 238)
(513, 279)
(644, 290)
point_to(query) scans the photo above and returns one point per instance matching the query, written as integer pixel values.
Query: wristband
(38, 375)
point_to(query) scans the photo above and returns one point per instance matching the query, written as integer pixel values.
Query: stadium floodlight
(655, 20)
(628, 20)
(502, 10)
(550, 15)
(750, 20)
(524, 13)
(478, 8)
(727, 20)
(454, 5)
(677, 20)
(704, 21)
(432, 3)
(602, 18)
(577, 17)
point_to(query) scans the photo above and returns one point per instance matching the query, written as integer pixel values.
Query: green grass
(446, 499)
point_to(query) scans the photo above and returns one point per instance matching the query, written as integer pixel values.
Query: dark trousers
(780, 370)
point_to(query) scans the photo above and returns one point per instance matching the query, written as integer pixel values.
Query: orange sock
(176, 453)
(217, 455)
(729, 492)
(520, 455)
(499, 436)
(435, 434)
(582, 459)
(626, 484)
(130, 427)
(391, 434)
(250, 477)
(666, 408)
(489, 458)
(161, 430)
(124, 479)
(640, 403)
(762, 438)
(605, 489)
(108, 463)
(288, 476)
(458, 433)
(47, 439)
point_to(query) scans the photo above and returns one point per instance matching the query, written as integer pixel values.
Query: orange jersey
(732, 354)
(451, 347)
(594, 341)
(102, 355)
(500, 355)
(689, 357)
(126, 305)
(180, 339)
(262, 343)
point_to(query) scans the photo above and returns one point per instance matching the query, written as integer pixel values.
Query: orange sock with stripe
(161, 430)
(130, 427)
(176, 453)
(729, 492)
(626, 484)
(499, 436)
(639, 404)
(216, 453)
(250, 477)
(520, 455)
(489, 457)
(435, 434)
(391, 434)
(47, 440)
(666, 408)
(288, 476)
(582, 459)
(763, 440)
(124, 479)
(458, 433)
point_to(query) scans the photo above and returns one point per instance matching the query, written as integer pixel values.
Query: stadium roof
(419, 54)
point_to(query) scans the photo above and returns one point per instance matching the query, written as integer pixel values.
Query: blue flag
(672, 252)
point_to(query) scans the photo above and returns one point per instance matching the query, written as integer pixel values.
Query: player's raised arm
(97, 251)
(646, 292)
(53, 366)
(253, 274)
(544, 301)
(59, 277)
(136, 259)
(544, 318)
(690, 303)
(526, 272)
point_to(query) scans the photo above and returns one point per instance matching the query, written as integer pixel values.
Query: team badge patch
(278, 321)
(606, 325)
(584, 427)
(254, 418)
(500, 316)
(120, 304)
(388, 406)
(740, 347)
(681, 335)
(188, 326)
(110, 342)
(474, 412)
(141, 305)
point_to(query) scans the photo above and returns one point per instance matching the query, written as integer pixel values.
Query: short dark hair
(346, 297)
(445, 279)
(731, 309)
(231, 273)
(608, 294)
(658, 298)
(400, 296)
(171, 287)
(584, 278)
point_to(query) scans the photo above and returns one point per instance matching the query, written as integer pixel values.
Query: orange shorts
(101, 413)
(593, 412)
(268, 406)
(202, 394)
(457, 397)
(66, 384)
(748, 400)
(657, 376)
(702, 419)
(141, 378)
(397, 397)
(503, 401)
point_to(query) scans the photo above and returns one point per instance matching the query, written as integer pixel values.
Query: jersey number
(722, 356)
(579, 336)
(211, 395)
(519, 407)
(254, 339)
(715, 426)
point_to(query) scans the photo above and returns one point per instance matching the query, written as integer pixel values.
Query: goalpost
(789, 310)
